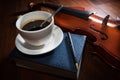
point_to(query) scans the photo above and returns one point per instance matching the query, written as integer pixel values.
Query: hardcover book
(57, 62)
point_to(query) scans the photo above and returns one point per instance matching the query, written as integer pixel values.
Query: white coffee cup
(38, 37)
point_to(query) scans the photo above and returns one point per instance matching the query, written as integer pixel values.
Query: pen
(72, 49)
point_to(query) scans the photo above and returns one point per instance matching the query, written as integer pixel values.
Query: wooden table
(93, 67)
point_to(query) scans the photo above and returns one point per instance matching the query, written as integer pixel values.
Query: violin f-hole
(104, 36)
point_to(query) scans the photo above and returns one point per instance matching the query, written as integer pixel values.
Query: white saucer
(56, 39)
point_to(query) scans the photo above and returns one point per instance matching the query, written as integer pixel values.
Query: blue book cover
(58, 62)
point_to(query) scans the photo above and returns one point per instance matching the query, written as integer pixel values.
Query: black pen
(72, 49)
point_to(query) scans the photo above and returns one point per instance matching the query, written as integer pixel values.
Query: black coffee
(35, 25)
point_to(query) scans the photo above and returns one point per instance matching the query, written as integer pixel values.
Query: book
(58, 62)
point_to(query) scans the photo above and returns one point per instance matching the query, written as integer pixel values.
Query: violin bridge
(104, 23)
(104, 26)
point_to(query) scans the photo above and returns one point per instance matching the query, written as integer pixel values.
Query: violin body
(104, 38)
(108, 49)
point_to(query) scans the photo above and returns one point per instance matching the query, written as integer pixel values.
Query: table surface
(93, 67)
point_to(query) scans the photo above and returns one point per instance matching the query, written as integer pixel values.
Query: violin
(101, 32)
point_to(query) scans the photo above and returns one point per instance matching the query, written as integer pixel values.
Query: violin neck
(78, 13)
